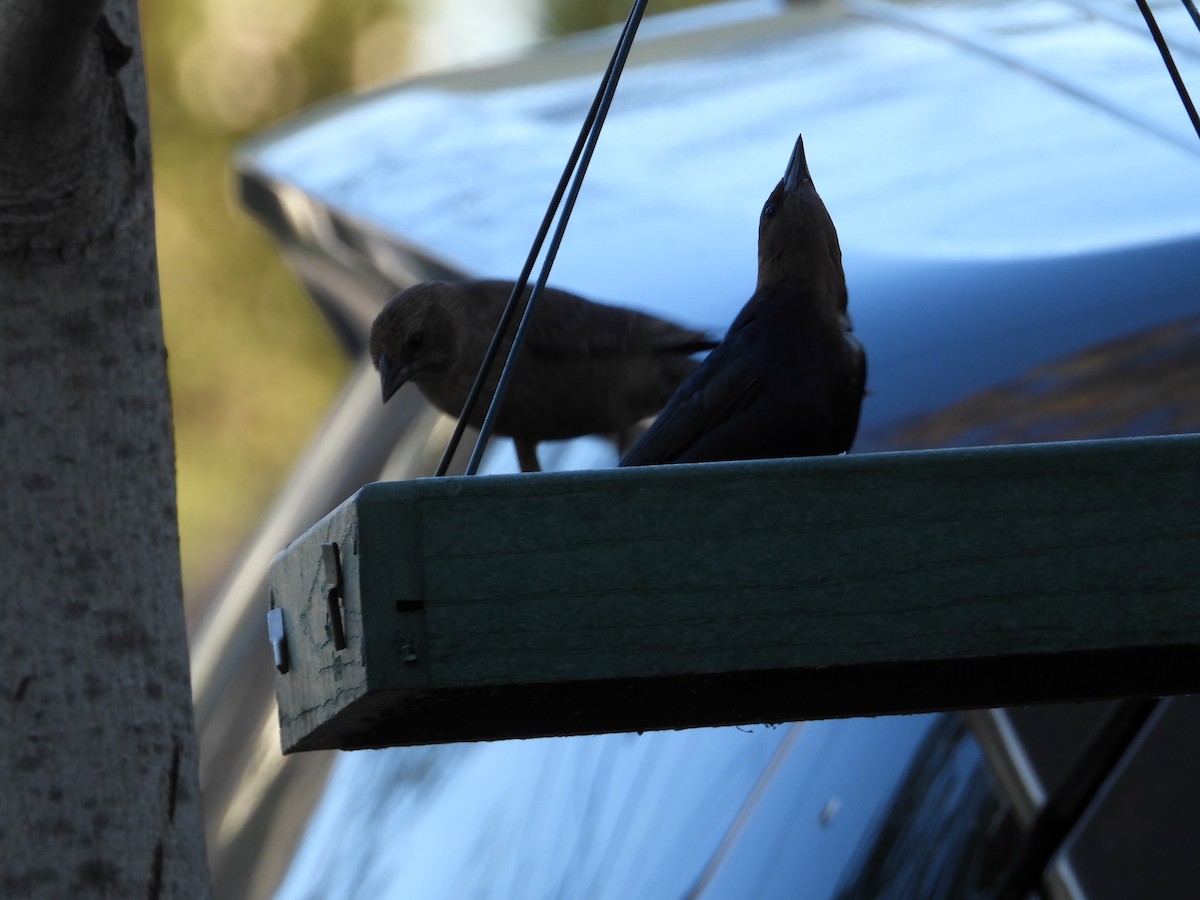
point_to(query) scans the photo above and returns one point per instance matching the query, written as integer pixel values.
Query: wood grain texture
(742, 592)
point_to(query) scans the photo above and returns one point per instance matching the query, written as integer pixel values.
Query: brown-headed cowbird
(583, 368)
(789, 377)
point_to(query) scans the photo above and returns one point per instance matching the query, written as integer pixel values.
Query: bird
(789, 377)
(583, 368)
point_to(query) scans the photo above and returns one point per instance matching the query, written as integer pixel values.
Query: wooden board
(677, 596)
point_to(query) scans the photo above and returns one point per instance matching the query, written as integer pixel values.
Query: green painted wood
(581, 602)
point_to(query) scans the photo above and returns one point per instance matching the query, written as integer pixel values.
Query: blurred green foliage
(252, 366)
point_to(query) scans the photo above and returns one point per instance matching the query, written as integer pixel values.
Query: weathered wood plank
(514, 606)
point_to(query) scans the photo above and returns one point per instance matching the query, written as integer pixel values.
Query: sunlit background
(252, 366)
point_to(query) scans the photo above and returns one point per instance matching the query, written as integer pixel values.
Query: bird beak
(390, 378)
(797, 167)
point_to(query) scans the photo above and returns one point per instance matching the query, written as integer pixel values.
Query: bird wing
(848, 406)
(567, 325)
(726, 382)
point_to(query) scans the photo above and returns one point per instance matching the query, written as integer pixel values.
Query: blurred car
(1017, 192)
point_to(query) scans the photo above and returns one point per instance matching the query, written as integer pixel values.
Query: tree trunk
(98, 756)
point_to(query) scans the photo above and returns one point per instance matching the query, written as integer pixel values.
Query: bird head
(797, 241)
(412, 338)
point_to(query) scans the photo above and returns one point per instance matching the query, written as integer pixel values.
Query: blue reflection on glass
(658, 814)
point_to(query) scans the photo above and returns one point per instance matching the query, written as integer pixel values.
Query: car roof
(949, 130)
(973, 155)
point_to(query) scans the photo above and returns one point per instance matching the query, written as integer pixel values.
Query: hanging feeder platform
(465, 609)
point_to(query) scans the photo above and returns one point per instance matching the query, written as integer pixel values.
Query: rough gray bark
(98, 756)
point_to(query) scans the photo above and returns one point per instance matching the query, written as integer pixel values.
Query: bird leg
(527, 455)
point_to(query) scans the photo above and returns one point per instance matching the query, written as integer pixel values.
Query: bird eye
(769, 209)
(415, 340)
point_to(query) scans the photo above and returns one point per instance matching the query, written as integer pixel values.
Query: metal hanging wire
(573, 174)
(1168, 60)
(1195, 13)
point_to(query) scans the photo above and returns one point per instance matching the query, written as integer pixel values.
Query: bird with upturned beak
(789, 377)
(583, 367)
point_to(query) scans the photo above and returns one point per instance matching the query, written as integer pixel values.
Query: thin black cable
(1195, 13)
(510, 308)
(609, 88)
(1169, 61)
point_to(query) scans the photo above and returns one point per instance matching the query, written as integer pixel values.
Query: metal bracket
(278, 637)
(333, 592)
